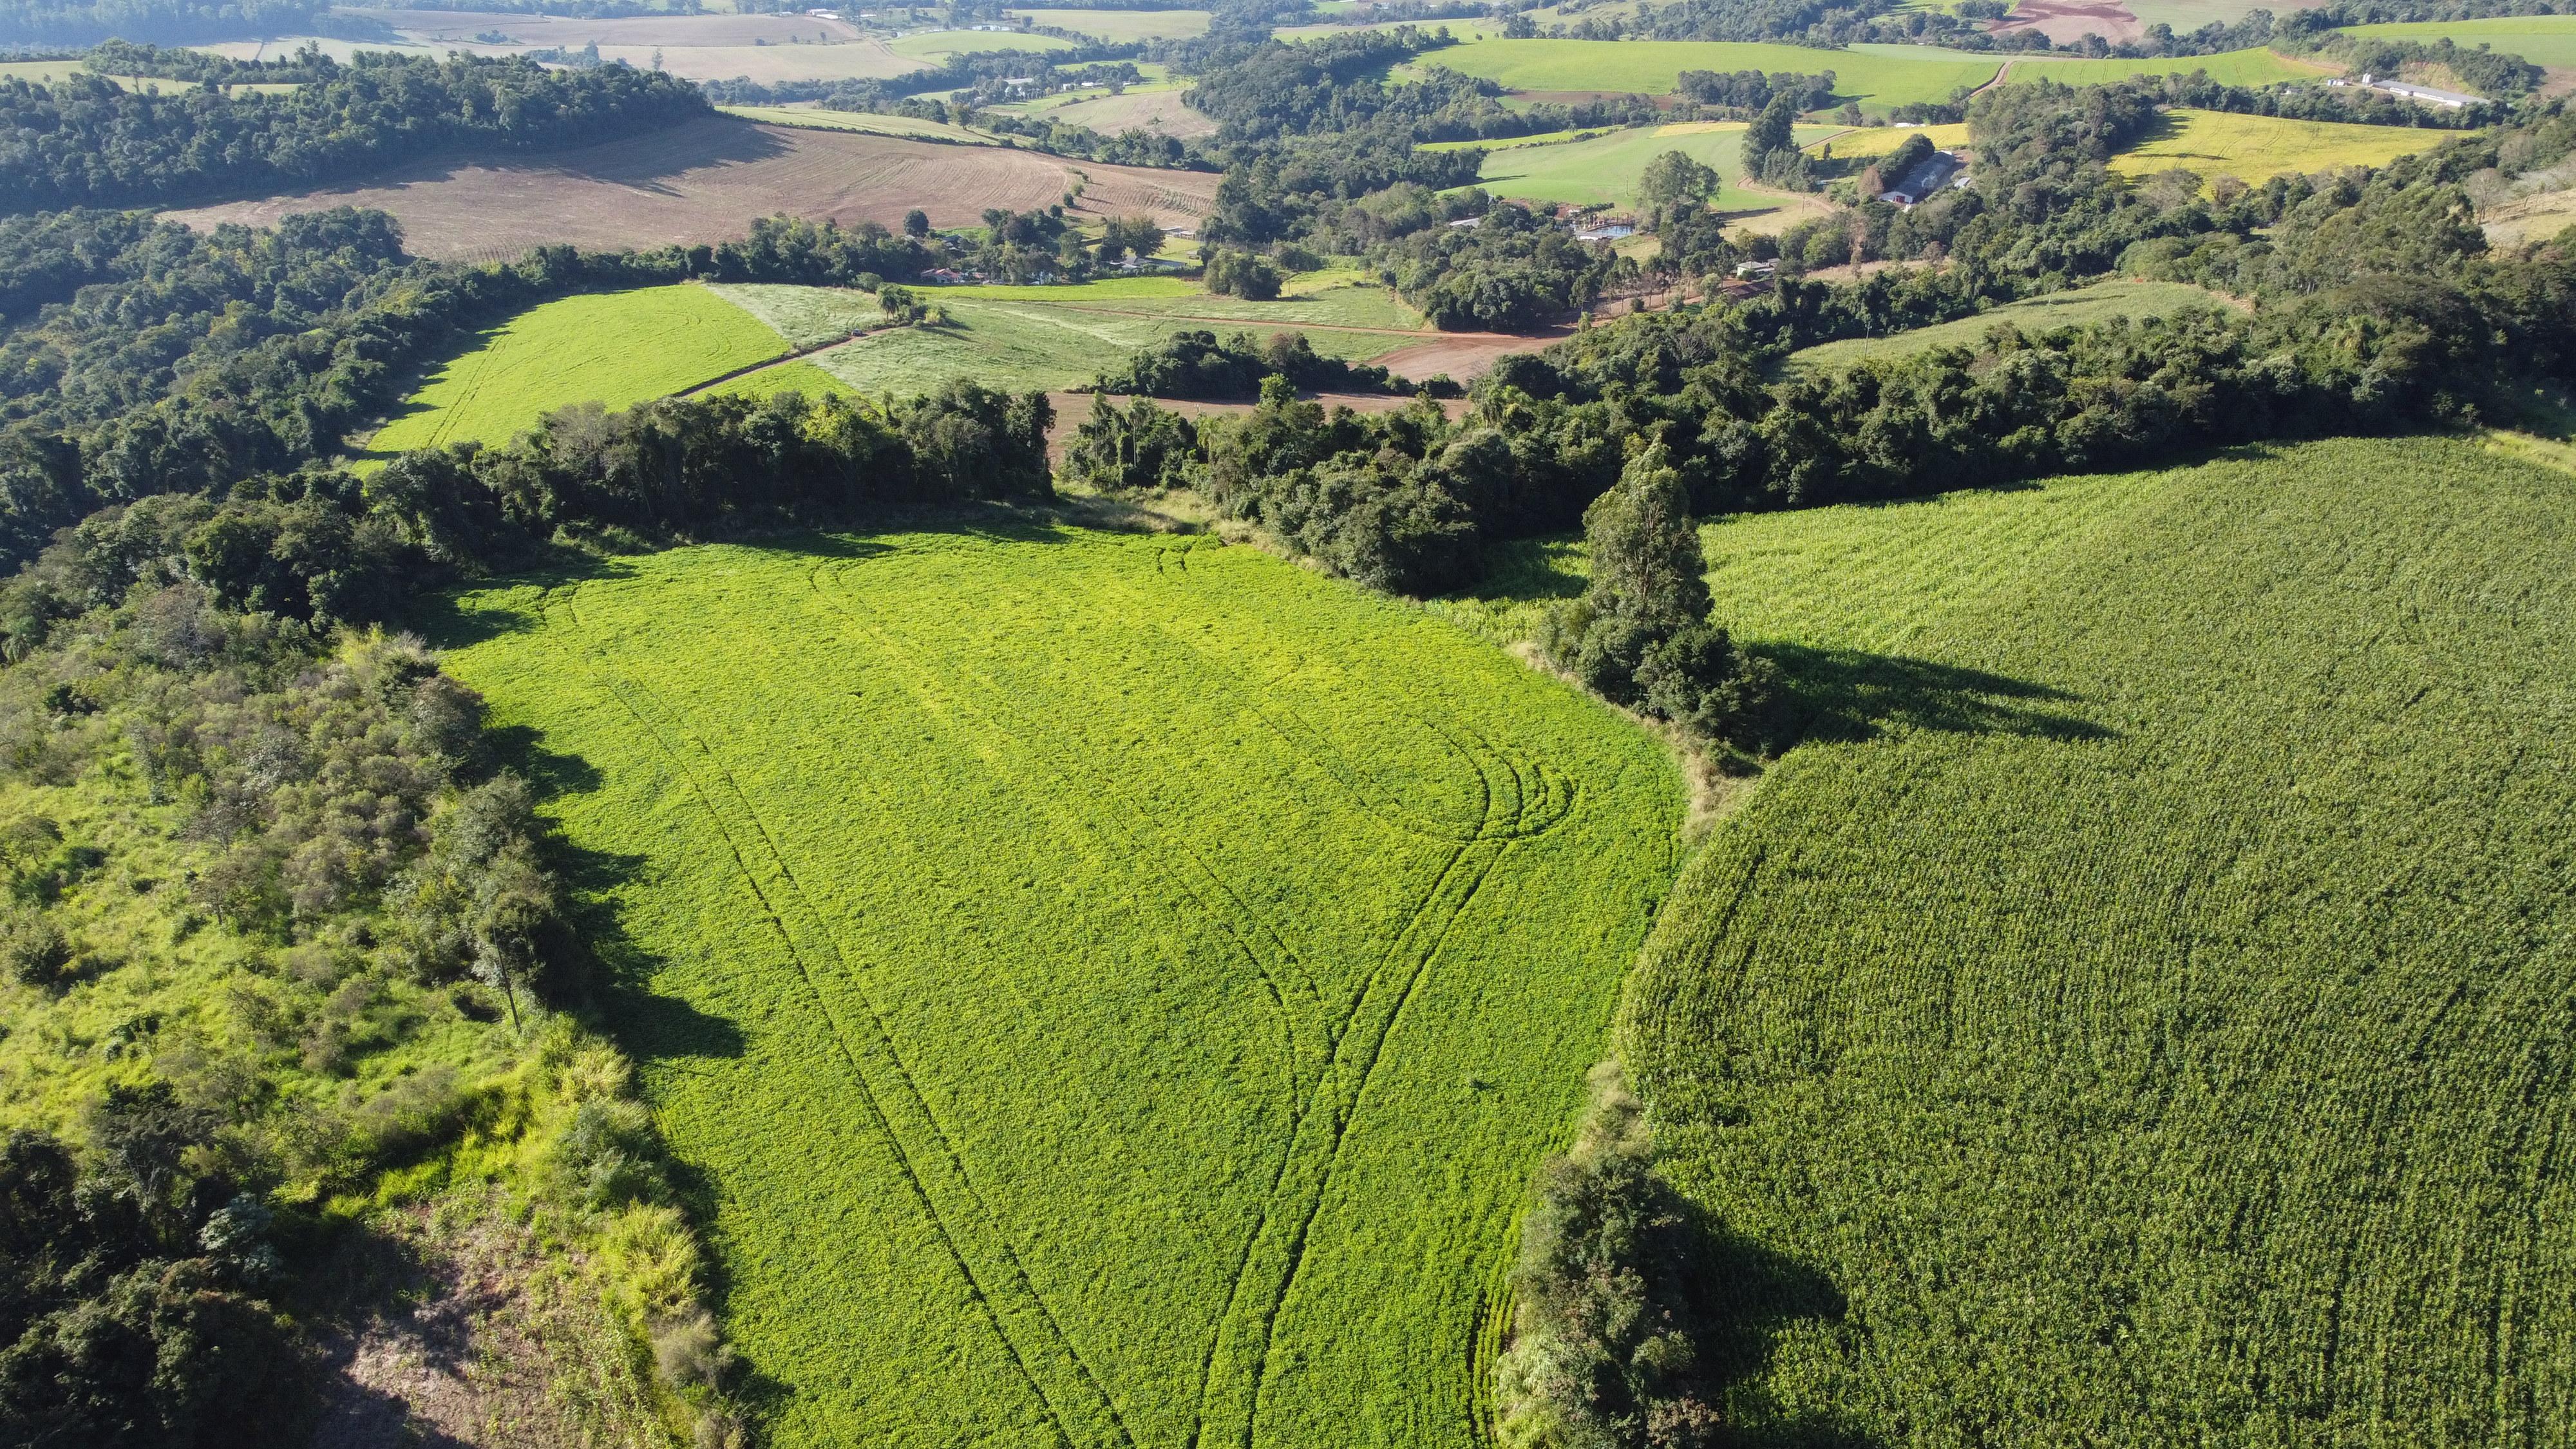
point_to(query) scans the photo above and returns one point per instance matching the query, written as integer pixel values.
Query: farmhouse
(2407, 90)
(1928, 176)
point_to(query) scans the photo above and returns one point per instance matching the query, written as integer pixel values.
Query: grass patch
(1116, 26)
(1605, 170)
(2541, 39)
(1878, 81)
(616, 348)
(2235, 67)
(931, 45)
(2151, 980)
(1881, 140)
(1055, 337)
(1115, 989)
(2257, 148)
(1514, 143)
(2097, 303)
(818, 119)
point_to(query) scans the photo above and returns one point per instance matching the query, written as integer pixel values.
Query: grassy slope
(2058, 309)
(2540, 39)
(996, 901)
(1122, 25)
(934, 44)
(2149, 1028)
(1649, 66)
(1051, 337)
(1880, 140)
(617, 348)
(2234, 67)
(816, 118)
(1605, 169)
(2257, 148)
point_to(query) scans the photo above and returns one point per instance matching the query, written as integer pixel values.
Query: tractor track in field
(1258, 1297)
(1242, 924)
(1014, 1280)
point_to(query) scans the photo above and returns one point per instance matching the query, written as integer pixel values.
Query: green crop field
(2097, 303)
(2142, 1018)
(2186, 16)
(2233, 67)
(1877, 80)
(1122, 25)
(931, 45)
(1605, 170)
(1115, 988)
(2540, 39)
(616, 348)
(2257, 148)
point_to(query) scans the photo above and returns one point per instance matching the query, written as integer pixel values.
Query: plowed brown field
(706, 181)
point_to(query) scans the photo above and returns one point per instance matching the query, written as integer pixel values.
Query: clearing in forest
(2255, 149)
(2079, 307)
(613, 348)
(1115, 988)
(2140, 1015)
(1603, 170)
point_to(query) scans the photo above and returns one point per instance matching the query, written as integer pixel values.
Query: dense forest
(88, 143)
(162, 22)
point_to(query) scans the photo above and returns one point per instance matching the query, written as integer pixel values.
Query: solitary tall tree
(1647, 567)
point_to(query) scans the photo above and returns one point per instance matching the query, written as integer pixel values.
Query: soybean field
(2548, 40)
(2141, 1014)
(2254, 149)
(1115, 988)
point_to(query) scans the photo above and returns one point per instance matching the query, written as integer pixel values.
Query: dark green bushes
(1606, 1349)
(1199, 365)
(85, 142)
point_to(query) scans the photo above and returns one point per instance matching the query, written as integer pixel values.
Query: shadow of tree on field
(1747, 1297)
(1842, 696)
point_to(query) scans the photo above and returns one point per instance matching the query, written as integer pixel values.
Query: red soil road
(705, 181)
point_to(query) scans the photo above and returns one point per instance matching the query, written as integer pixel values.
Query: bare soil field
(1463, 355)
(2067, 21)
(460, 27)
(706, 181)
(1157, 111)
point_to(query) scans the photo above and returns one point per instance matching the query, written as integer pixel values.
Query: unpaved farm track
(705, 181)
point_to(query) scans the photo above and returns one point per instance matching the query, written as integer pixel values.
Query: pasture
(54, 72)
(933, 45)
(1605, 170)
(1057, 337)
(1114, 988)
(1880, 140)
(1877, 80)
(2234, 67)
(1122, 25)
(2083, 306)
(616, 348)
(2541, 39)
(2255, 149)
(2138, 1016)
(704, 181)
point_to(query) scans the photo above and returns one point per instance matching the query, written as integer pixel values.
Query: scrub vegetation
(989, 858)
